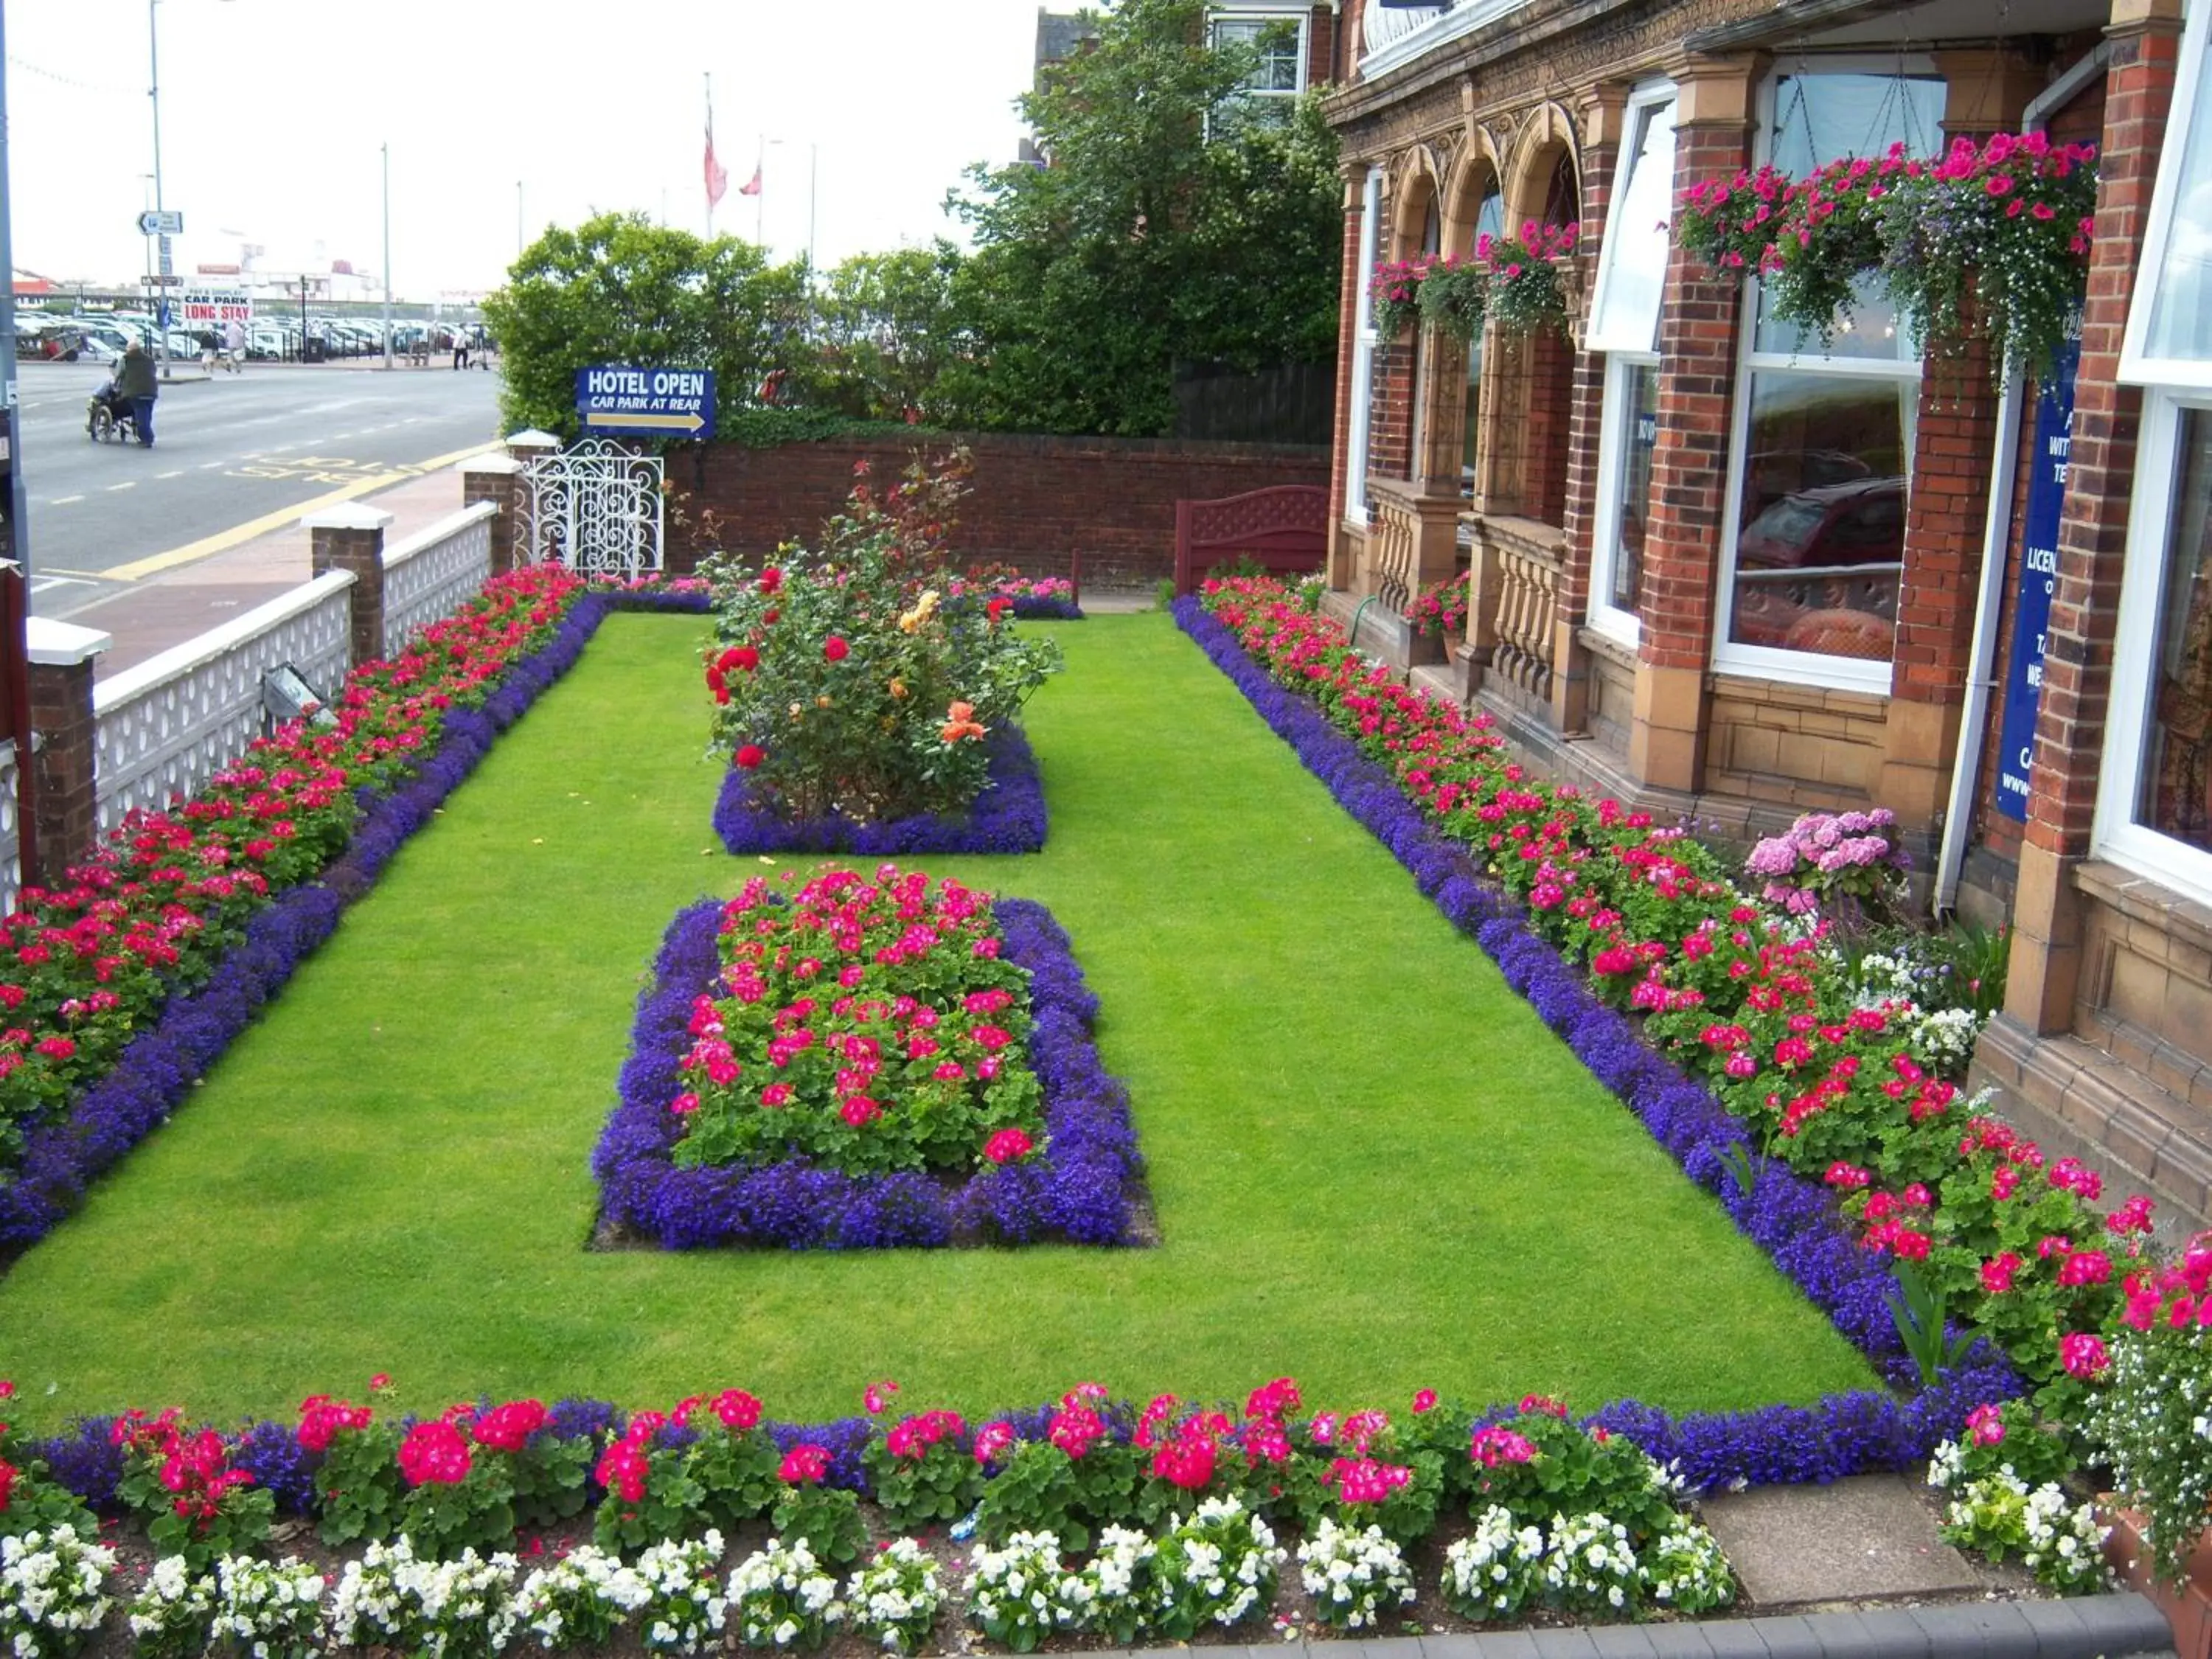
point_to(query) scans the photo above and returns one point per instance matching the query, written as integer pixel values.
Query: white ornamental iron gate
(597, 507)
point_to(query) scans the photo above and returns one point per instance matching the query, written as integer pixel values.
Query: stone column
(349, 537)
(1700, 320)
(64, 768)
(498, 479)
(2093, 528)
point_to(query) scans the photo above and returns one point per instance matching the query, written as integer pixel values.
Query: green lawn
(1374, 1169)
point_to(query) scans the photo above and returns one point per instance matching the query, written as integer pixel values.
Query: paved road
(227, 453)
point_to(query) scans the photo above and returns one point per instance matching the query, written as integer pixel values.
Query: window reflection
(2177, 773)
(1820, 536)
(1640, 404)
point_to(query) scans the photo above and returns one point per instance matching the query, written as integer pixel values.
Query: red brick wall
(2093, 528)
(1586, 398)
(1035, 502)
(1696, 388)
(1390, 409)
(1953, 446)
(1321, 46)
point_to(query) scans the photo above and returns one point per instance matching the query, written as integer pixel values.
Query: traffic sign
(168, 258)
(169, 223)
(677, 402)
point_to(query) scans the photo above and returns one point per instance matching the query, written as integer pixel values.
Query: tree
(619, 289)
(886, 332)
(1173, 224)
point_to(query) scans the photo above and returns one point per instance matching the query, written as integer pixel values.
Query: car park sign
(672, 403)
(215, 305)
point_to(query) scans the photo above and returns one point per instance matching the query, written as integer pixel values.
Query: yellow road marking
(237, 535)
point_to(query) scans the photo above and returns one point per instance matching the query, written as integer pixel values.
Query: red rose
(750, 755)
(770, 579)
(834, 649)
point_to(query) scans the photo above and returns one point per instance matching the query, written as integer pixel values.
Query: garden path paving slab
(1857, 1539)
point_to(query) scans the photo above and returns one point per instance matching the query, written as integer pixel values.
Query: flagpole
(710, 150)
(760, 196)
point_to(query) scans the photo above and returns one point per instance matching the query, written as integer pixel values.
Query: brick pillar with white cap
(350, 537)
(65, 765)
(497, 479)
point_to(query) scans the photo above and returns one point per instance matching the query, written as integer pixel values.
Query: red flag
(718, 176)
(751, 187)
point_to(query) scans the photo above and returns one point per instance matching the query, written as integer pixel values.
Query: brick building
(1730, 572)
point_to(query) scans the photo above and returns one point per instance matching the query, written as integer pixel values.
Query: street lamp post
(387, 255)
(161, 289)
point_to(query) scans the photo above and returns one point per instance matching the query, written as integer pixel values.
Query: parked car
(1862, 522)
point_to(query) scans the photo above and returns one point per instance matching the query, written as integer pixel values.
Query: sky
(273, 111)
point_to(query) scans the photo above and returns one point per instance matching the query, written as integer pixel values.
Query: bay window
(1813, 536)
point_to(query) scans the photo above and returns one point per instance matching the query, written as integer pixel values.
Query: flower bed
(1035, 598)
(1008, 817)
(1183, 1511)
(991, 1119)
(1798, 1221)
(185, 922)
(1836, 1085)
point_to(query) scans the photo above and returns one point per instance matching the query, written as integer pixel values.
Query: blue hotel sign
(2039, 577)
(661, 403)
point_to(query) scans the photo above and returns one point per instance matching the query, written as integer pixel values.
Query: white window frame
(1766, 662)
(2136, 366)
(1605, 617)
(1643, 104)
(1621, 362)
(1253, 12)
(1363, 357)
(2116, 833)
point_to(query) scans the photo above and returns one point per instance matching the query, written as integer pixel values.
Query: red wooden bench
(1284, 527)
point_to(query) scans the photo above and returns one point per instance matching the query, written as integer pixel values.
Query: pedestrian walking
(233, 339)
(134, 378)
(209, 347)
(460, 348)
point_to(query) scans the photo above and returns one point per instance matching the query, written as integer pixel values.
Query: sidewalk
(166, 609)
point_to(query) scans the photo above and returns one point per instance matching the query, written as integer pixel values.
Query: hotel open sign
(676, 402)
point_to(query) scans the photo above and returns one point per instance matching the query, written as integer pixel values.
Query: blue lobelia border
(157, 1070)
(1008, 817)
(1795, 1221)
(1081, 1188)
(1032, 609)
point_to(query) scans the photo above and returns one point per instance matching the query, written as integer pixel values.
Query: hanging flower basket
(2010, 221)
(1730, 223)
(1526, 293)
(1394, 292)
(1455, 294)
(1830, 238)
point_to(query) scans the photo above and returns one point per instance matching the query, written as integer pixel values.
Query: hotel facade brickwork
(1728, 572)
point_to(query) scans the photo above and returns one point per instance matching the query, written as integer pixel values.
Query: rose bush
(845, 684)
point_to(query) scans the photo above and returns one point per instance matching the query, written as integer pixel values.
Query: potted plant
(2010, 221)
(1454, 296)
(1395, 292)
